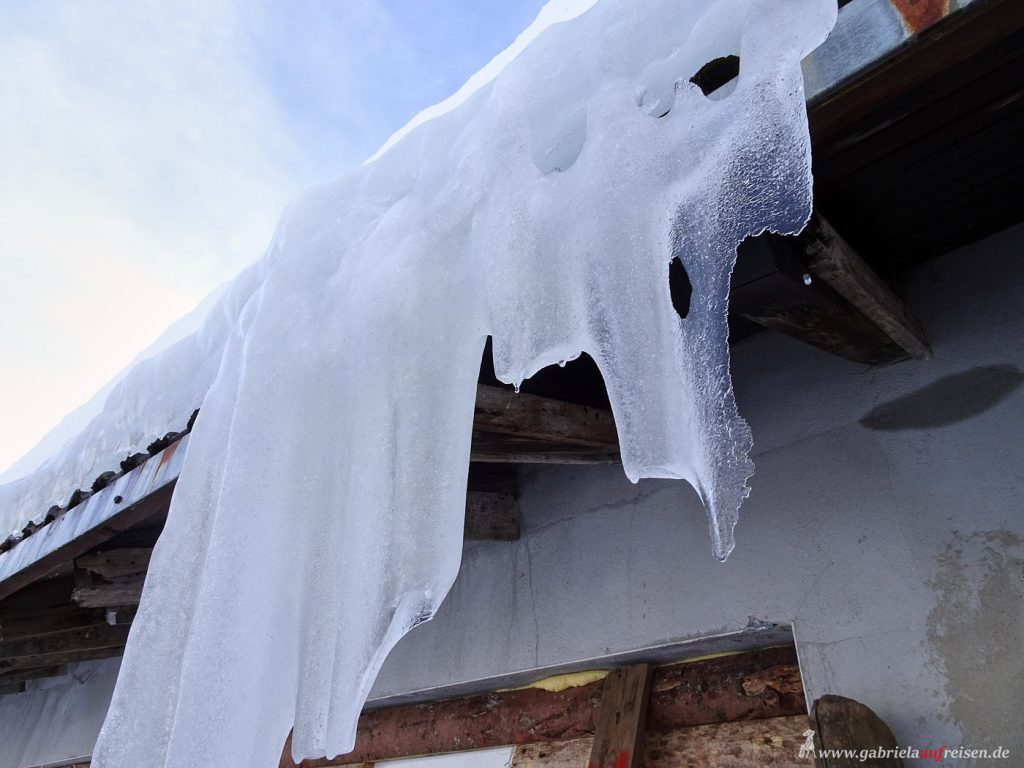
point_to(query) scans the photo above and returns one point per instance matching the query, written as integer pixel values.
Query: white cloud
(142, 162)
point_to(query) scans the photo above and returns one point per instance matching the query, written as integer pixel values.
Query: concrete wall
(885, 523)
(59, 718)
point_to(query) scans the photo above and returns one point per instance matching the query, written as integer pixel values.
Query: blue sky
(147, 148)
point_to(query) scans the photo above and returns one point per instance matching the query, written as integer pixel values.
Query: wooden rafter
(620, 725)
(833, 260)
(816, 288)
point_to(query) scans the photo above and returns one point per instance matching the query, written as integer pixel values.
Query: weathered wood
(620, 725)
(116, 563)
(111, 578)
(837, 330)
(61, 647)
(535, 453)
(33, 674)
(841, 723)
(833, 260)
(740, 687)
(67, 657)
(44, 607)
(773, 743)
(491, 517)
(707, 691)
(773, 288)
(504, 412)
(125, 591)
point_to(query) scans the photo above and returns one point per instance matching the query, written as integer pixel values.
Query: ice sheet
(319, 513)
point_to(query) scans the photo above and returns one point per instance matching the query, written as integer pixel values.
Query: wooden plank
(773, 743)
(727, 688)
(845, 724)
(504, 412)
(85, 638)
(44, 607)
(64, 657)
(100, 641)
(116, 563)
(544, 454)
(833, 260)
(110, 578)
(491, 517)
(37, 673)
(620, 725)
(833, 329)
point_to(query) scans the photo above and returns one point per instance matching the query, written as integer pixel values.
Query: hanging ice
(319, 514)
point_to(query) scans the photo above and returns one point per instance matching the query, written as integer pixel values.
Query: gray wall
(57, 719)
(885, 524)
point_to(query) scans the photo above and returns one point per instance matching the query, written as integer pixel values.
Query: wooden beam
(835, 329)
(62, 647)
(620, 725)
(833, 260)
(531, 417)
(37, 673)
(44, 607)
(64, 657)
(534, 452)
(696, 693)
(111, 578)
(491, 517)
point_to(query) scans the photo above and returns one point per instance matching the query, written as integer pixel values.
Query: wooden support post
(833, 260)
(491, 517)
(620, 725)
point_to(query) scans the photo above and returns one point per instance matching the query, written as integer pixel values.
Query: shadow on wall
(950, 399)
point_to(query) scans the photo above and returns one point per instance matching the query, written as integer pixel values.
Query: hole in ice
(716, 73)
(680, 287)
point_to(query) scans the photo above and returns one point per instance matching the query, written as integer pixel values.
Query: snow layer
(319, 514)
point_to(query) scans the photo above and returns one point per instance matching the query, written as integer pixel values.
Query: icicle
(319, 513)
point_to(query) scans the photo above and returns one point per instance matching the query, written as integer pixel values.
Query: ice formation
(319, 513)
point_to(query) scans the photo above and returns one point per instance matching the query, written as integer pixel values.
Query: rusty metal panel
(99, 511)
(867, 32)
